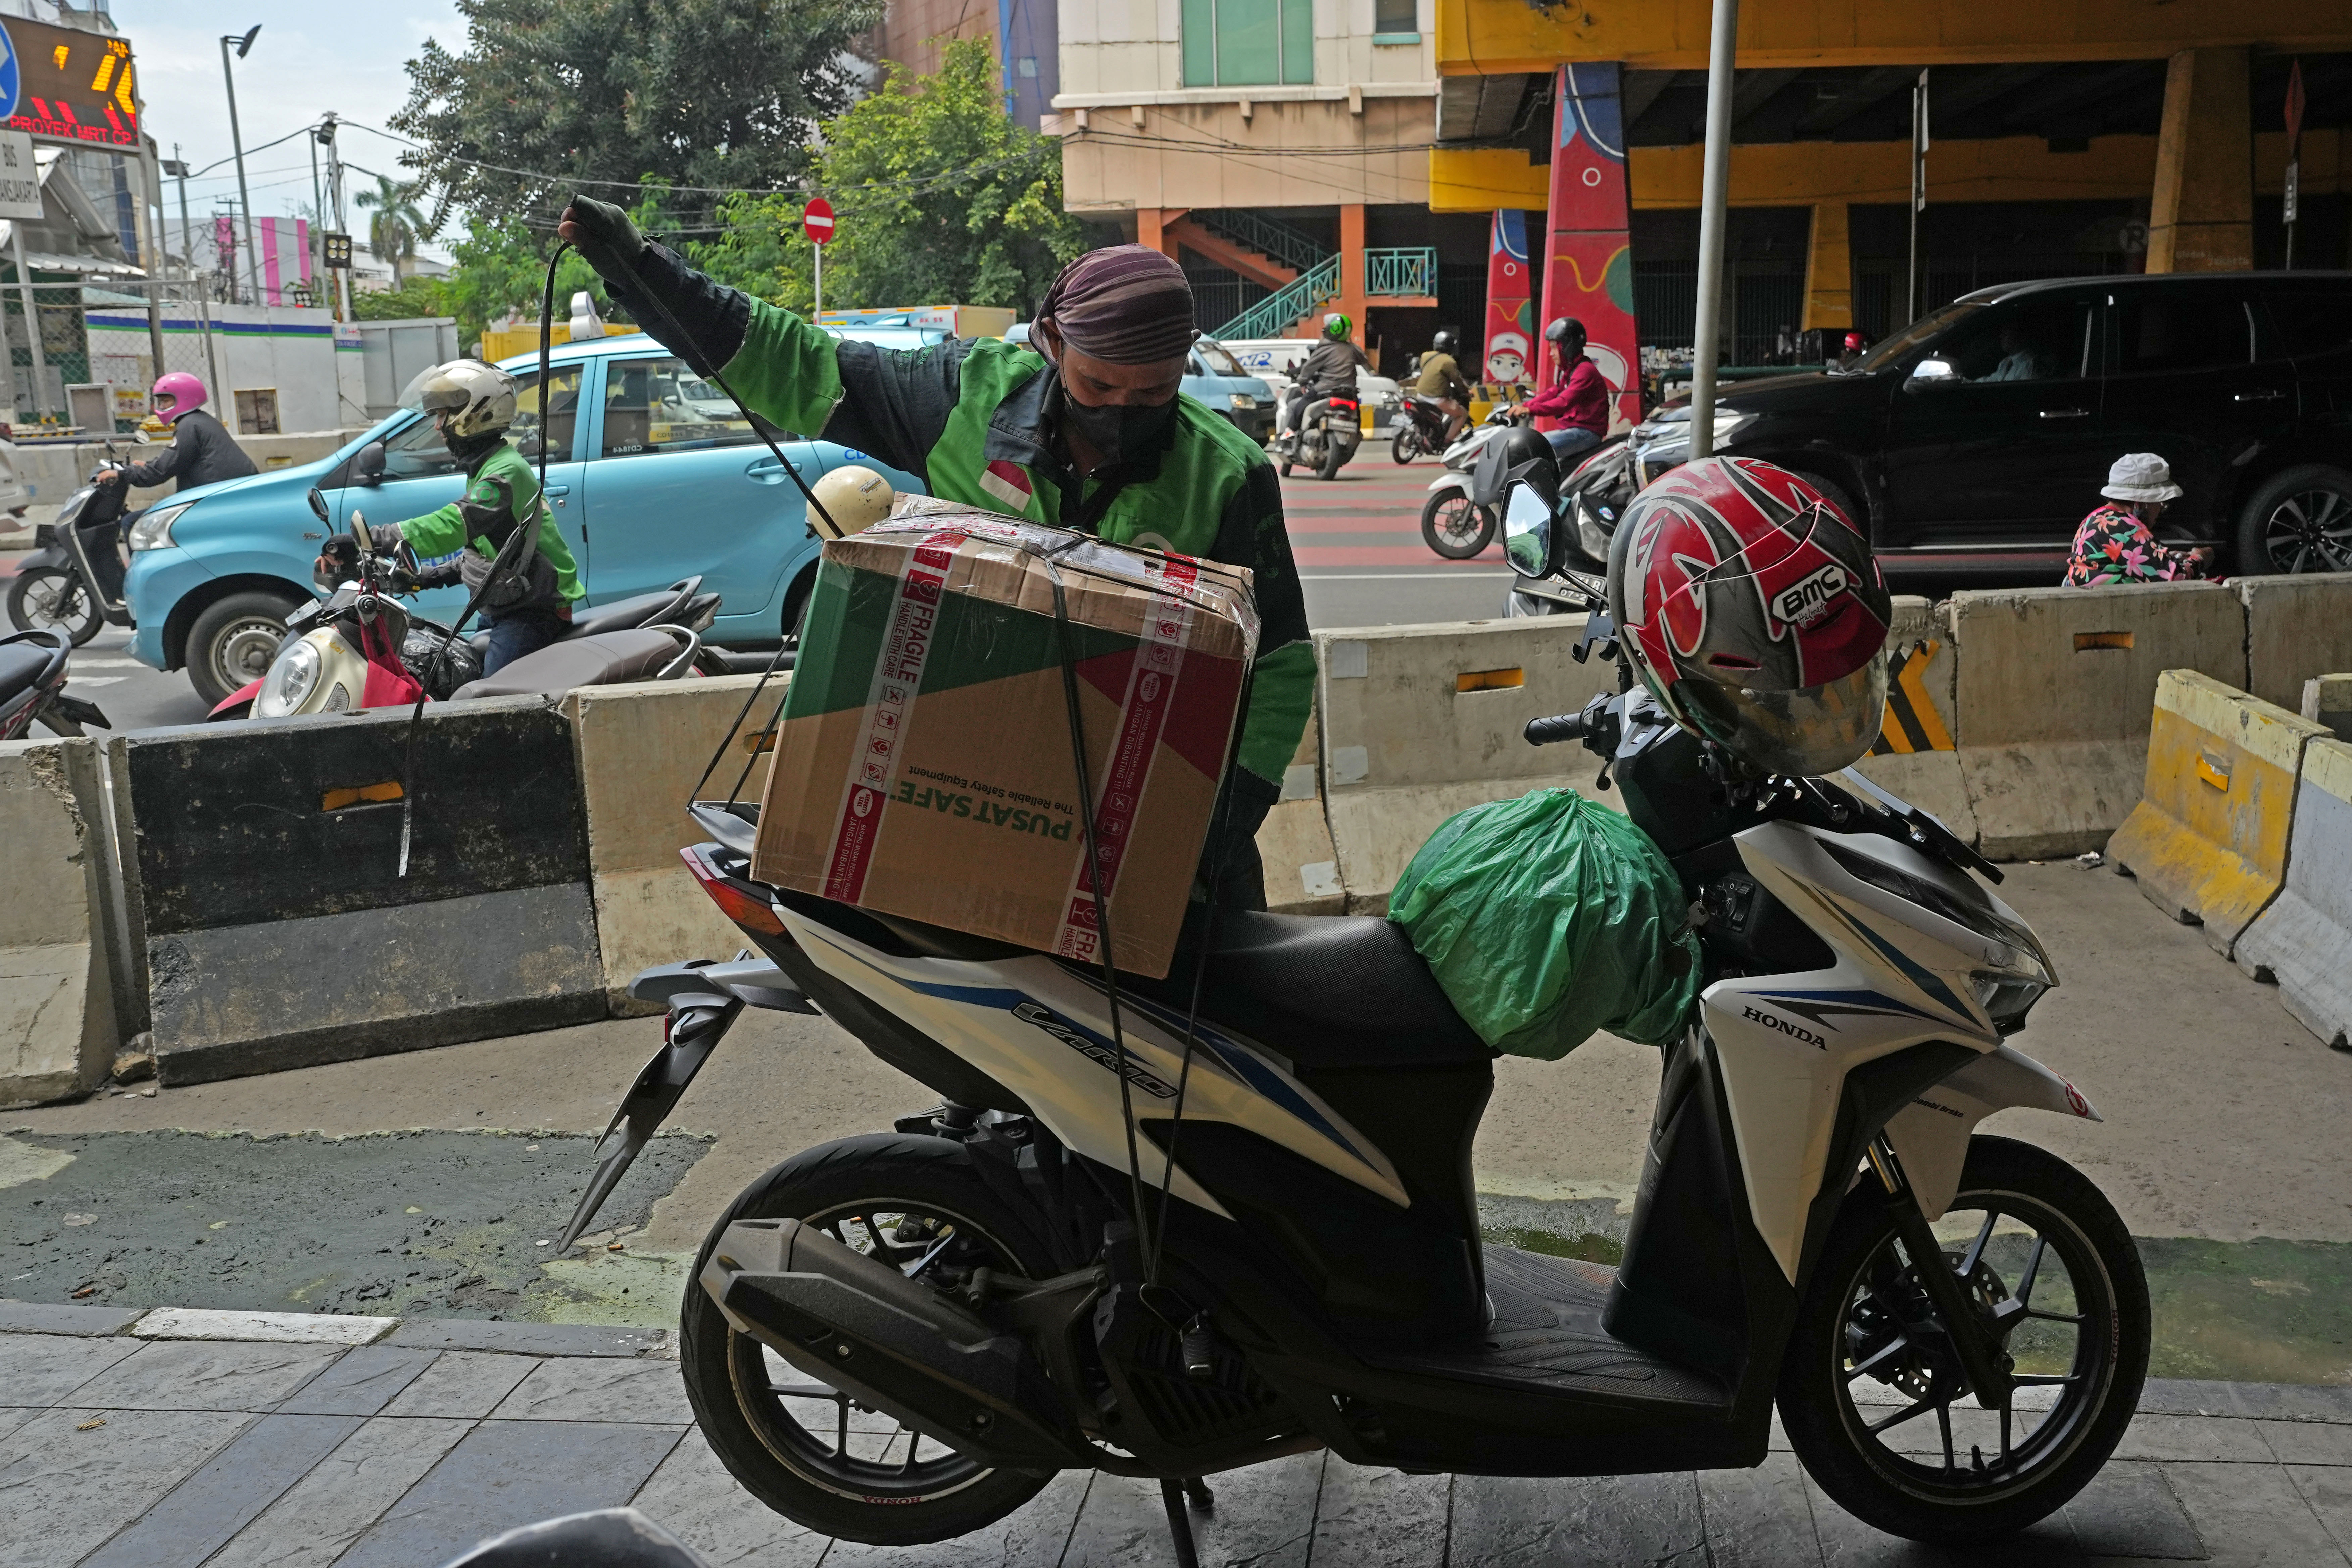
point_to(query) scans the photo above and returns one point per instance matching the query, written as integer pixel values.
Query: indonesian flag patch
(1008, 482)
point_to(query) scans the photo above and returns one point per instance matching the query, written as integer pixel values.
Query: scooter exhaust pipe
(891, 1344)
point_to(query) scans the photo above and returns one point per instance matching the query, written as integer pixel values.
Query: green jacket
(501, 475)
(974, 417)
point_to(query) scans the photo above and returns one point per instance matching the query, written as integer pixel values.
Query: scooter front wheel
(805, 1450)
(50, 598)
(1405, 445)
(1872, 1393)
(1455, 526)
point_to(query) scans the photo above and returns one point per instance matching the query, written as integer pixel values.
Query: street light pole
(236, 144)
(1917, 283)
(1715, 188)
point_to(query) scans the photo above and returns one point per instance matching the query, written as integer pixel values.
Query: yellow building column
(1828, 272)
(2202, 217)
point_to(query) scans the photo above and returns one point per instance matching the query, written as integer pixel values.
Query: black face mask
(1118, 431)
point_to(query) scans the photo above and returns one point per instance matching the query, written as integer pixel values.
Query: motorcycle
(1591, 498)
(1165, 1228)
(1453, 522)
(362, 648)
(1329, 431)
(33, 686)
(73, 578)
(1422, 427)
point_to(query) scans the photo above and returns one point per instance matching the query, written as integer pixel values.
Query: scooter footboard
(1931, 1135)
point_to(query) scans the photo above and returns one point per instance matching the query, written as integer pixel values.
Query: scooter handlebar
(1549, 731)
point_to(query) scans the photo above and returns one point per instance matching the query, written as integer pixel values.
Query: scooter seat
(21, 665)
(622, 615)
(603, 660)
(1327, 991)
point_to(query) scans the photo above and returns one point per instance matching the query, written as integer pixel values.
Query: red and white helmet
(1754, 611)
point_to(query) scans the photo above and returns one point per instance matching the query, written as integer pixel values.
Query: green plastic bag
(1548, 917)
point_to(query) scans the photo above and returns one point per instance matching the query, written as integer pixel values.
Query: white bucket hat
(2140, 476)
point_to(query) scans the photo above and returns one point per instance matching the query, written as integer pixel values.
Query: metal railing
(1410, 270)
(1268, 236)
(1285, 305)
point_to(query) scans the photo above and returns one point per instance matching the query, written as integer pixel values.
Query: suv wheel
(233, 641)
(2300, 521)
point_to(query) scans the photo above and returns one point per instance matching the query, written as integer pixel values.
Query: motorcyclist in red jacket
(1578, 397)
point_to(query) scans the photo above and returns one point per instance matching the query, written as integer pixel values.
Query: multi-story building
(1019, 33)
(2064, 137)
(1279, 150)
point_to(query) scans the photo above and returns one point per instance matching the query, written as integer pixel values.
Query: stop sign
(816, 218)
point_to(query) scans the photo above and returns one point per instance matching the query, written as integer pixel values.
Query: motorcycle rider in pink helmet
(202, 452)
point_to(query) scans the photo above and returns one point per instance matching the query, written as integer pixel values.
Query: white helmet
(855, 498)
(479, 398)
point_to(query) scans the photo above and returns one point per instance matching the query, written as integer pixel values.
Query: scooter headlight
(2007, 999)
(290, 678)
(153, 528)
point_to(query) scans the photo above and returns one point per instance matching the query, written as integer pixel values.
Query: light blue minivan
(652, 473)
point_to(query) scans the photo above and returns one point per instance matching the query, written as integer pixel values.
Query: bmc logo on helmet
(1802, 604)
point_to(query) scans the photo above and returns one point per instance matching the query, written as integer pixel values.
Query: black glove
(385, 535)
(606, 239)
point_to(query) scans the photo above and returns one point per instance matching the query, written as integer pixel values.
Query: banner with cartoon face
(1591, 271)
(1510, 305)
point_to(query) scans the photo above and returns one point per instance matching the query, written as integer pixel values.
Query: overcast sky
(310, 58)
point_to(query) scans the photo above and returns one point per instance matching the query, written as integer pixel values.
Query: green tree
(397, 224)
(500, 267)
(714, 93)
(942, 198)
(416, 297)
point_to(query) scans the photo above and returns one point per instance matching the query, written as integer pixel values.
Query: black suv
(1976, 438)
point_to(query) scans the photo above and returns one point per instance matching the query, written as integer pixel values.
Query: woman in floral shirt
(2114, 543)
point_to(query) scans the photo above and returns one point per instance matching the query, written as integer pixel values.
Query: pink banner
(1510, 305)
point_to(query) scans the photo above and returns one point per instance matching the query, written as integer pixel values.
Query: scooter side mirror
(1532, 542)
(367, 467)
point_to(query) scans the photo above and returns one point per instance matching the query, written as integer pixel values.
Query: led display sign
(68, 86)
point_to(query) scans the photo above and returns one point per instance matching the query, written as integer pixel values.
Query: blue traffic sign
(11, 79)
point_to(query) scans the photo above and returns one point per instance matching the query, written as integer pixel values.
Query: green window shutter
(1298, 40)
(1199, 43)
(1247, 43)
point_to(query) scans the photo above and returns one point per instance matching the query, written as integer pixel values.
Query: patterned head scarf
(1125, 305)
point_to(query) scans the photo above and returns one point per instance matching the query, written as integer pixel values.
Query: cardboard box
(924, 765)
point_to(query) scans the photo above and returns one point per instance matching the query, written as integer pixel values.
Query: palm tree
(396, 222)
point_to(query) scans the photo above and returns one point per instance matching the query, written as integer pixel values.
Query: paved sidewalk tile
(2128, 1510)
(1605, 1521)
(361, 1383)
(43, 1369)
(1758, 1517)
(527, 1339)
(2328, 1491)
(1379, 1519)
(1032, 1536)
(505, 1474)
(2252, 1514)
(203, 1374)
(316, 1522)
(223, 1497)
(579, 1388)
(1263, 1515)
(1847, 1543)
(2307, 1442)
(694, 1497)
(462, 1382)
(64, 1318)
(63, 1491)
(2210, 1438)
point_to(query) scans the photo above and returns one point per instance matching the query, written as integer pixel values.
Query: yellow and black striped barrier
(1913, 722)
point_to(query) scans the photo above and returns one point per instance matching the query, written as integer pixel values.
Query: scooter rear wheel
(800, 1447)
(1871, 1391)
(45, 598)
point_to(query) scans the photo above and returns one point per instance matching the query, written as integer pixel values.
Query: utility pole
(1714, 216)
(314, 253)
(32, 323)
(1917, 286)
(326, 134)
(236, 144)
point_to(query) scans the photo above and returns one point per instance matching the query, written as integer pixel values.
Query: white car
(1272, 360)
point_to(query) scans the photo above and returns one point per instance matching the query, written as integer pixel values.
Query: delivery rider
(1087, 429)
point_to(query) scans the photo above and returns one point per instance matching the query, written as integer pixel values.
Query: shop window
(1397, 21)
(1248, 43)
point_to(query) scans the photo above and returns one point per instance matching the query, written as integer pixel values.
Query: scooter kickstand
(1179, 1527)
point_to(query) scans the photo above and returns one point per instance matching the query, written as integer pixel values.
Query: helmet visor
(1806, 733)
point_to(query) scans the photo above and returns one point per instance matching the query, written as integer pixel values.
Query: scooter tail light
(736, 901)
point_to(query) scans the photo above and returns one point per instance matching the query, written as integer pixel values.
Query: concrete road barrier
(272, 926)
(2304, 941)
(1419, 722)
(2327, 699)
(1294, 843)
(2054, 693)
(1917, 755)
(2208, 841)
(2296, 628)
(640, 749)
(58, 1031)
